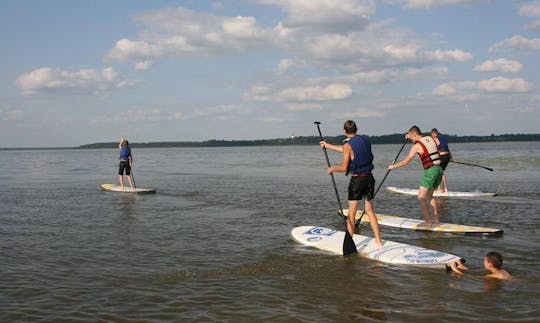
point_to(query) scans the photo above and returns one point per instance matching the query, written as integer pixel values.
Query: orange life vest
(430, 154)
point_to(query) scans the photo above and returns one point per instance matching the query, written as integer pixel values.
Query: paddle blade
(349, 247)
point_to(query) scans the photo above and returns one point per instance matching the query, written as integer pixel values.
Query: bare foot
(378, 244)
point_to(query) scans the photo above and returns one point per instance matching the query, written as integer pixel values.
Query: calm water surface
(213, 243)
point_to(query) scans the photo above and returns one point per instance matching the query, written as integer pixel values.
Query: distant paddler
(126, 162)
(444, 155)
(426, 149)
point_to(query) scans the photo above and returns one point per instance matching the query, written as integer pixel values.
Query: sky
(80, 72)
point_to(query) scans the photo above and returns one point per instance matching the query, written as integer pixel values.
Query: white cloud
(11, 115)
(88, 80)
(444, 90)
(147, 115)
(180, 31)
(313, 93)
(393, 74)
(530, 9)
(499, 65)
(535, 25)
(330, 16)
(430, 4)
(297, 107)
(143, 65)
(330, 35)
(331, 92)
(226, 110)
(455, 55)
(517, 42)
(503, 84)
(492, 85)
(284, 65)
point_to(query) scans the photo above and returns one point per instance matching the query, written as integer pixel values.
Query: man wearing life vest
(426, 149)
(358, 162)
(444, 155)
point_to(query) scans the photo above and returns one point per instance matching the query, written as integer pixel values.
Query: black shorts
(360, 187)
(445, 159)
(124, 165)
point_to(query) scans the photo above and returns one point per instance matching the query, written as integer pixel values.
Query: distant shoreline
(293, 141)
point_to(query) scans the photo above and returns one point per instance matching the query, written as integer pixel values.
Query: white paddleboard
(391, 252)
(127, 189)
(415, 224)
(412, 191)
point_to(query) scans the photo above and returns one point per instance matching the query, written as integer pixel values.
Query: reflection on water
(213, 243)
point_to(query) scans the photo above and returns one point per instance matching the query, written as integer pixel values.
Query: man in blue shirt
(358, 162)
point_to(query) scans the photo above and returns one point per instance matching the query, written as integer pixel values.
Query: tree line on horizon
(310, 140)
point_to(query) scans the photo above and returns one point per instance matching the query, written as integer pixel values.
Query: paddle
(484, 167)
(349, 246)
(357, 223)
(133, 179)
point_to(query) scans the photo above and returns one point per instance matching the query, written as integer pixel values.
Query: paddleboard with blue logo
(391, 252)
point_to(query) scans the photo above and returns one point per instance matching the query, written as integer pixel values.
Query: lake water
(213, 243)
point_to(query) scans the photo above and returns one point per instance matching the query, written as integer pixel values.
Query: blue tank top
(363, 157)
(125, 152)
(443, 143)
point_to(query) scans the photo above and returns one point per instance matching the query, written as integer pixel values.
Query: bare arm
(407, 160)
(338, 148)
(347, 150)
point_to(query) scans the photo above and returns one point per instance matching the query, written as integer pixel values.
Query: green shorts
(432, 177)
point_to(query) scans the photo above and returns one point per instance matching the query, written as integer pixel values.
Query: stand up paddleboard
(414, 224)
(411, 191)
(127, 189)
(391, 252)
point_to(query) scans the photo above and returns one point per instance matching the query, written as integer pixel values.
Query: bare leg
(424, 205)
(121, 179)
(353, 208)
(368, 205)
(130, 182)
(444, 183)
(434, 206)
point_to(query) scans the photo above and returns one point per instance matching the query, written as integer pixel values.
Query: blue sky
(77, 72)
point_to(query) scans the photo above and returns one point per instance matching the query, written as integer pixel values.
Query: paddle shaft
(132, 177)
(331, 174)
(384, 178)
(484, 167)
(349, 246)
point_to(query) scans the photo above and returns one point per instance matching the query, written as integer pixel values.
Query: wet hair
(415, 130)
(495, 258)
(350, 127)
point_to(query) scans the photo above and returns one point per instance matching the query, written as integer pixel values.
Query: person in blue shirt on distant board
(126, 162)
(358, 161)
(445, 156)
